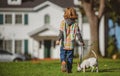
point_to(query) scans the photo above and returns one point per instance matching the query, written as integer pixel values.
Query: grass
(107, 67)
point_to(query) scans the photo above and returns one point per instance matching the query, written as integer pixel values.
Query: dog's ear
(78, 67)
(78, 64)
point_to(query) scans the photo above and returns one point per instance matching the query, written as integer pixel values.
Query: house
(32, 26)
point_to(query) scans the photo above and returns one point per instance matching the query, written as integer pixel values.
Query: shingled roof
(33, 3)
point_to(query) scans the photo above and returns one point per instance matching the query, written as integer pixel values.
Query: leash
(81, 54)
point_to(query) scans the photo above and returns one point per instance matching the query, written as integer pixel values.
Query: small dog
(90, 62)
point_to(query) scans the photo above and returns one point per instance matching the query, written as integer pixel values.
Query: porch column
(13, 46)
(41, 50)
(13, 43)
(52, 45)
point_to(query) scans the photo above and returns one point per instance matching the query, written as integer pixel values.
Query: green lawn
(107, 67)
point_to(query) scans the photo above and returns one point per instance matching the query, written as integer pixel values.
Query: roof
(33, 3)
(45, 30)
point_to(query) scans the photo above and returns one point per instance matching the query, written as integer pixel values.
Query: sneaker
(69, 71)
(63, 67)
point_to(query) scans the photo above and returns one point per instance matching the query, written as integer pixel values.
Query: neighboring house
(32, 26)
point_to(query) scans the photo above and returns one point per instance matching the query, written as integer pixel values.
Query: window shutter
(26, 19)
(1, 18)
(26, 46)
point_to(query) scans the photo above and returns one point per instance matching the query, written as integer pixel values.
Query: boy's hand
(57, 42)
(82, 44)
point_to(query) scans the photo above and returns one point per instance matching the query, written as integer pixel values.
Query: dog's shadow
(105, 70)
(109, 70)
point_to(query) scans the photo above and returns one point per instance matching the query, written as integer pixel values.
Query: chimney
(14, 2)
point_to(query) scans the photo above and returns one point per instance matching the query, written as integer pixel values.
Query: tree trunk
(94, 23)
(94, 26)
(94, 32)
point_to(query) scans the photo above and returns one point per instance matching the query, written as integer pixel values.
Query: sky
(115, 31)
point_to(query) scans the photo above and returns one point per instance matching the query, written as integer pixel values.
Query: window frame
(84, 19)
(47, 19)
(5, 19)
(17, 18)
(8, 45)
(23, 20)
(14, 0)
(18, 46)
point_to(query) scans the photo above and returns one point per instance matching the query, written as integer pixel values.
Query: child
(68, 31)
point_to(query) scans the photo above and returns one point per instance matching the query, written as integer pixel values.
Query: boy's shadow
(109, 70)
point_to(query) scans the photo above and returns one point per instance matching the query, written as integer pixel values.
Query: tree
(90, 7)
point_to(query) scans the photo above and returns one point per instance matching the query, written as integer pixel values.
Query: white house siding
(18, 31)
(86, 31)
(14, 31)
(36, 19)
(38, 52)
(56, 52)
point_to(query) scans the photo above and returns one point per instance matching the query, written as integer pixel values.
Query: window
(18, 19)
(47, 19)
(84, 19)
(13, 0)
(8, 45)
(8, 19)
(18, 46)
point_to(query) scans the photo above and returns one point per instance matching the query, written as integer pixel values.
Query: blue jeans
(67, 56)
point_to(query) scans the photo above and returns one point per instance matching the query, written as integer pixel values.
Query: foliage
(112, 11)
(112, 8)
(111, 47)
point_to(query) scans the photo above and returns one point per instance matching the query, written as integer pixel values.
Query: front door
(47, 48)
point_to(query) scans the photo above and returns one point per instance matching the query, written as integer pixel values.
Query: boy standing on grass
(68, 31)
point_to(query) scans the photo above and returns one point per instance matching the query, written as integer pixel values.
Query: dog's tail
(96, 60)
(94, 54)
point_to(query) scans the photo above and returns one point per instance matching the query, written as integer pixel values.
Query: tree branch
(101, 8)
(87, 6)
